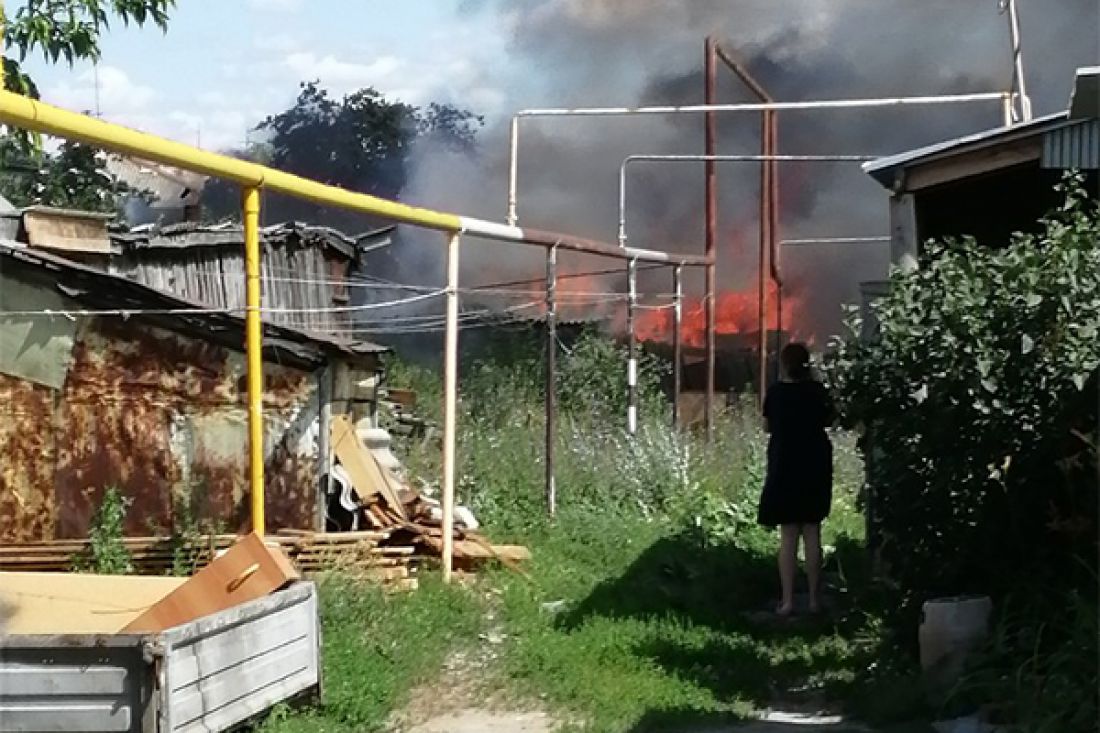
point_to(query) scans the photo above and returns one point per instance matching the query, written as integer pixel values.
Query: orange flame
(736, 312)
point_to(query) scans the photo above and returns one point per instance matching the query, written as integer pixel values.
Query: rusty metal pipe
(764, 247)
(589, 246)
(710, 145)
(768, 219)
(677, 337)
(773, 245)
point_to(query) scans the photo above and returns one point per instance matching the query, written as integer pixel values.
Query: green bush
(979, 400)
(979, 395)
(107, 553)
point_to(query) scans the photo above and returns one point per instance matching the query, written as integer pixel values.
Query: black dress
(799, 484)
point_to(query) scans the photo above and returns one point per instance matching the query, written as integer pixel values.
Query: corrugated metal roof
(99, 290)
(884, 169)
(1067, 143)
(1076, 145)
(190, 234)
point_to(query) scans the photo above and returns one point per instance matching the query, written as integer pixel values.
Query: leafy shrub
(107, 553)
(1039, 665)
(979, 394)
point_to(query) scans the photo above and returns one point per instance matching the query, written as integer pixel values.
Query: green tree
(979, 394)
(362, 141)
(75, 177)
(68, 30)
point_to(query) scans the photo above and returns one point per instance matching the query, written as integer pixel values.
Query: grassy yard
(646, 605)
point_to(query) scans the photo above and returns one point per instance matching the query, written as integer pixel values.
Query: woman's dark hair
(795, 358)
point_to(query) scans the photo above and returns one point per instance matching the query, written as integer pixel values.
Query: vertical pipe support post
(551, 376)
(677, 338)
(450, 404)
(710, 145)
(775, 247)
(250, 206)
(513, 174)
(632, 348)
(763, 274)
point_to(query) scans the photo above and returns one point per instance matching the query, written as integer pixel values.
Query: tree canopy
(69, 31)
(362, 141)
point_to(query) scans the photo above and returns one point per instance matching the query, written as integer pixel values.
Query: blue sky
(225, 64)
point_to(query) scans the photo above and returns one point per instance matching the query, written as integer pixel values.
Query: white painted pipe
(632, 358)
(820, 104)
(648, 158)
(450, 405)
(1020, 86)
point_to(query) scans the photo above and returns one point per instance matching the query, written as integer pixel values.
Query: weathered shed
(304, 267)
(990, 184)
(151, 401)
(993, 183)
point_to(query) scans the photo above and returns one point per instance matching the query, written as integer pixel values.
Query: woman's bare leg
(788, 562)
(811, 539)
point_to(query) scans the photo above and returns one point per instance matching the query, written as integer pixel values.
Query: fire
(736, 313)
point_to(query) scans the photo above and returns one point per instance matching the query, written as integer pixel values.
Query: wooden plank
(366, 475)
(975, 163)
(248, 570)
(55, 603)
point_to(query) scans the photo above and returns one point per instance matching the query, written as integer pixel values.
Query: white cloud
(262, 80)
(278, 6)
(118, 93)
(278, 42)
(341, 77)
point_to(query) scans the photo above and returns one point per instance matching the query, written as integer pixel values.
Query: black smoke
(624, 52)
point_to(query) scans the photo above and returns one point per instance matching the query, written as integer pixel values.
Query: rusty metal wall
(160, 416)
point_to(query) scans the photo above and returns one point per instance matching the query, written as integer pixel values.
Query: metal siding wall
(228, 668)
(72, 689)
(1074, 146)
(156, 415)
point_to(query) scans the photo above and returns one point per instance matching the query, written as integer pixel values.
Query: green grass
(636, 613)
(652, 630)
(377, 648)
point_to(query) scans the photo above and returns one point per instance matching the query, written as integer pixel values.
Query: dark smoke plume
(621, 52)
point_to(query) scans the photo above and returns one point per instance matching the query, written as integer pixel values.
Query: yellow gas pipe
(250, 208)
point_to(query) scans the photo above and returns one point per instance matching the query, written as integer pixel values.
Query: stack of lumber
(361, 554)
(386, 503)
(357, 553)
(150, 555)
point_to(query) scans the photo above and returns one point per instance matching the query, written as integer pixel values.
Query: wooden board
(482, 550)
(368, 478)
(72, 603)
(248, 570)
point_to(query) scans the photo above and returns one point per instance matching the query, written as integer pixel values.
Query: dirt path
(474, 720)
(462, 699)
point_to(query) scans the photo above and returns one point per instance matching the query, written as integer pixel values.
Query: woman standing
(799, 485)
